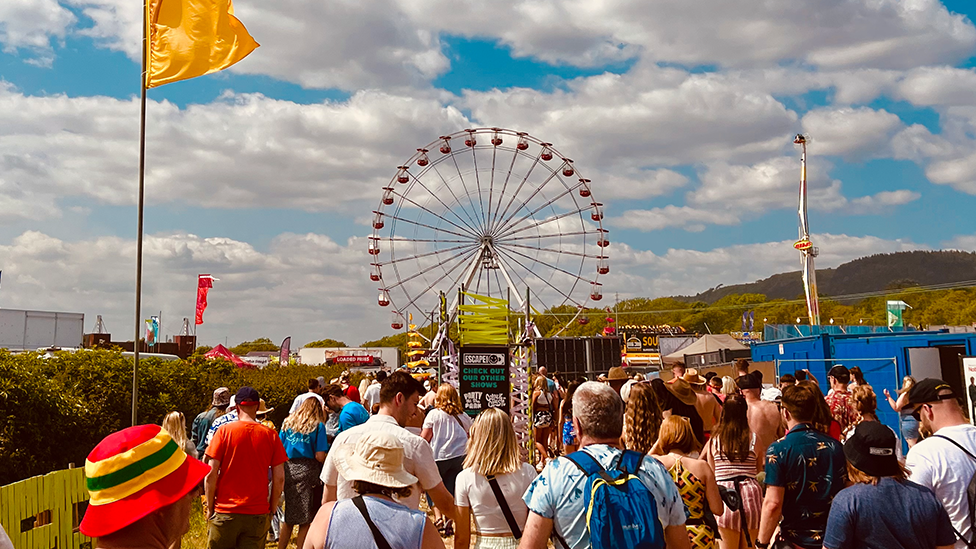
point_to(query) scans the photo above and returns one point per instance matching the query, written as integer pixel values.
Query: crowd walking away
(680, 459)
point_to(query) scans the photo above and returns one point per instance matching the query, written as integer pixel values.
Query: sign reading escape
(484, 380)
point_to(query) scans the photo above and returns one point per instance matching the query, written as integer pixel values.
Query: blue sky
(267, 173)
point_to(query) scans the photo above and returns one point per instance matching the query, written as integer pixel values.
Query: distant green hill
(867, 274)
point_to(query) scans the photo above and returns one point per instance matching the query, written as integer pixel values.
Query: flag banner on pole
(150, 333)
(895, 315)
(204, 283)
(285, 351)
(190, 38)
(155, 328)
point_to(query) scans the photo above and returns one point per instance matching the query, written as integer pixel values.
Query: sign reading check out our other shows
(485, 381)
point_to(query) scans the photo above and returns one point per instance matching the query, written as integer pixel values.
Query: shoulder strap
(588, 464)
(506, 510)
(631, 461)
(960, 446)
(972, 542)
(381, 542)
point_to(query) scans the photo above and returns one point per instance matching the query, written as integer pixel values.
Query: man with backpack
(602, 496)
(946, 461)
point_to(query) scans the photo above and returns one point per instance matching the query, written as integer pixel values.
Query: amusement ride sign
(484, 380)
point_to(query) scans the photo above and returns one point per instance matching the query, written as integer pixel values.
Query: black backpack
(970, 497)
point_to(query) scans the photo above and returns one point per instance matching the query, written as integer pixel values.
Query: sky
(682, 115)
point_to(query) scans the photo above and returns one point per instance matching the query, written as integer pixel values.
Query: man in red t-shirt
(241, 453)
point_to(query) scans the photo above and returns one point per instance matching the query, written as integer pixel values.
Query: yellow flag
(190, 38)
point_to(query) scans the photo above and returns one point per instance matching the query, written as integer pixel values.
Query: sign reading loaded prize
(485, 381)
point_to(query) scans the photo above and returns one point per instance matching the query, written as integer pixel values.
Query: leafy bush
(54, 411)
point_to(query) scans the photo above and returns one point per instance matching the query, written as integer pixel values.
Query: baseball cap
(928, 390)
(247, 396)
(871, 448)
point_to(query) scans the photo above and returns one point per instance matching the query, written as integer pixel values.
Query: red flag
(204, 283)
(285, 351)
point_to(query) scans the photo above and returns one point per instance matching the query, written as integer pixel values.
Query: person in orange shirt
(241, 453)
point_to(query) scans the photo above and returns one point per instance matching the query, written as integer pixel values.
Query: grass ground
(196, 538)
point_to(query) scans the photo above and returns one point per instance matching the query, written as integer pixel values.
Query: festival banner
(285, 351)
(969, 378)
(204, 283)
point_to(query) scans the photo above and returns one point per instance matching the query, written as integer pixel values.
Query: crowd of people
(697, 461)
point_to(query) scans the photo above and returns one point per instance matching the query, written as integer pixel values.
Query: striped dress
(751, 493)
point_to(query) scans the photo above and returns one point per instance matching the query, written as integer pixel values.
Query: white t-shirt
(941, 466)
(474, 491)
(418, 459)
(450, 433)
(300, 399)
(371, 397)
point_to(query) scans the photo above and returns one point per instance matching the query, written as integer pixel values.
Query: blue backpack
(621, 513)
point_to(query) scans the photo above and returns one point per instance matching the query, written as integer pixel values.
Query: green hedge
(54, 411)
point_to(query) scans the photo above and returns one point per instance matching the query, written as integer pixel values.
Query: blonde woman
(175, 424)
(729, 387)
(694, 478)
(909, 425)
(303, 435)
(446, 429)
(493, 453)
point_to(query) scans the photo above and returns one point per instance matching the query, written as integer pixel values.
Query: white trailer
(349, 355)
(32, 330)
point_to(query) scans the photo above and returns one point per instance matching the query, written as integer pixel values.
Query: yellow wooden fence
(44, 512)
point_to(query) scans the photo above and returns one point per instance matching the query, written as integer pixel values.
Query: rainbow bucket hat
(132, 473)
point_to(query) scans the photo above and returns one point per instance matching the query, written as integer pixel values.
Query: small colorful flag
(204, 283)
(285, 351)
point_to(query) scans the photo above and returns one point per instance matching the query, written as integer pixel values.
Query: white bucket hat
(376, 458)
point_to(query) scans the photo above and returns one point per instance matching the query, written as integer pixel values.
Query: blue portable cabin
(884, 357)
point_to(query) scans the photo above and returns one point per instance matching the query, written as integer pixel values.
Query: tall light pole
(806, 248)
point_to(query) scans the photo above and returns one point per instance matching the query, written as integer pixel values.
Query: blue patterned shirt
(557, 493)
(812, 468)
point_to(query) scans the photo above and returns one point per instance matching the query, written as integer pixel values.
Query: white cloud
(853, 133)
(683, 217)
(687, 272)
(315, 287)
(240, 152)
(31, 24)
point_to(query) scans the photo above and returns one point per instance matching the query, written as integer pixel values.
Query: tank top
(692, 491)
(726, 469)
(402, 527)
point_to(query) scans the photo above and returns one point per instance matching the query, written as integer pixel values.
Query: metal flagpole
(142, 202)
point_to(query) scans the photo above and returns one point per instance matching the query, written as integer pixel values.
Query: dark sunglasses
(917, 413)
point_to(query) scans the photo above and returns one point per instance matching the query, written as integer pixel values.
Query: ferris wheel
(494, 211)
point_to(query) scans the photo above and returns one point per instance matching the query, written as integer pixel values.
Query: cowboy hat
(377, 458)
(263, 407)
(692, 377)
(133, 473)
(682, 391)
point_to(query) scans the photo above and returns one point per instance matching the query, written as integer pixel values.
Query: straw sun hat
(376, 458)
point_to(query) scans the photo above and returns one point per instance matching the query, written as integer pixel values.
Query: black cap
(840, 373)
(928, 390)
(871, 448)
(246, 396)
(748, 381)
